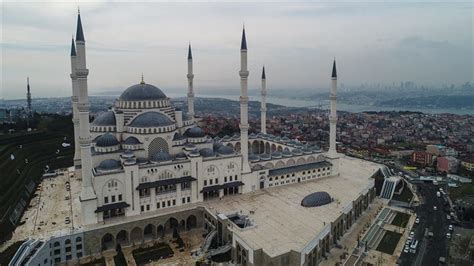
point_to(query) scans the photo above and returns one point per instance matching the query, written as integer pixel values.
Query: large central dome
(142, 92)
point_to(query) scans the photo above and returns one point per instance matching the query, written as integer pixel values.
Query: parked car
(448, 235)
(450, 227)
(435, 208)
(417, 221)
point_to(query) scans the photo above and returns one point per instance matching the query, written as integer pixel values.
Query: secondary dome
(316, 199)
(109, 164)
(195, 132)
(142, 92)
(161, 156)
(105, 119)
(151, 119)
(106, 140)
(225, 150)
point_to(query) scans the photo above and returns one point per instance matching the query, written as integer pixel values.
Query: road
(430, 249)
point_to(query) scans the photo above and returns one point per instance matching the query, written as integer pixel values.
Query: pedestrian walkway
(351, 237)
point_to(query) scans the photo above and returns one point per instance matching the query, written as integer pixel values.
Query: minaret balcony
(244, 99)
(82, 72)
(244, 74)
(264, 93)
(333, 97)
(190, 76)
(190, 94)
(83, 107)
(85, 141)
(74, 98)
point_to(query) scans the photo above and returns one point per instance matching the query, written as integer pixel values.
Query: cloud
(374, 43)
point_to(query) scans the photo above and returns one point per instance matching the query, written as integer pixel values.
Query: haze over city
(427, 43)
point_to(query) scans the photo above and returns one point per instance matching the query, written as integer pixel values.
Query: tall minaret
(190, 83)
(28, 96)
(332, 153)
(263, 109)
(75, 113)
(244, 99)
(79, 75)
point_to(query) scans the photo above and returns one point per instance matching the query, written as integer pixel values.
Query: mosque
(145, 155)
(147, 169)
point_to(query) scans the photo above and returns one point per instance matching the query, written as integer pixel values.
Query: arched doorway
(108, 242)
(191, 222)
(171, 224)
(149, 231)
(160, 231)
(136, 235)
(122, 237)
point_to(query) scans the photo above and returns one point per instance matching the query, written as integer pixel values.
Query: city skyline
(283, 36)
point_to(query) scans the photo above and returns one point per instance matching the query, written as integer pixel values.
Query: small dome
(177, 136)
(206, 152)
(109, 164)
(265, 156)
(315, 148)
(106, 140)
(297, 152)
(151, 119)
(254, 158)
(142, 92)
(181, 156)
(286, 153)
(216, 145)
(276, 155)
(161, 156)
(131, 141)
(225, 150)
(316, 199)
(194, 132)
(105, 119)
(306, 151)
(194, 153)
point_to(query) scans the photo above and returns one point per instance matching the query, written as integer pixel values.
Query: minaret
(28, 96)
(75, 113)
(28, 103)
(263, 110)
(244, 99)
(79, 75)
(332, 153)
(190, 77)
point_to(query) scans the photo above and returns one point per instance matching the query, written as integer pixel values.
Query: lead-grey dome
(206, 152)
(195, 132)
(161, 156)
(106, 140)
(151, 119)
(316, 199)
(225, 150)
(105, 119)
(131, 141)
(142, 92)
(109, 164)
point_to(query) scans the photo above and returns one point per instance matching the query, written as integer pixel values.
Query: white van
(413, 246)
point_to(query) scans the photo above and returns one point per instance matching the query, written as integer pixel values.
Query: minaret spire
(190, 77)
(79, 31)
(263, 109)
(243, 44)
(73, 47)
(244, 99)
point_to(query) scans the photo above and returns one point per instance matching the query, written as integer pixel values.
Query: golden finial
(142, 82)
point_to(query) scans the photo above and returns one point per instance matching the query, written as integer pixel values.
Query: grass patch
(154, 253)
(389, 242)
(462, 191)
(401, 219)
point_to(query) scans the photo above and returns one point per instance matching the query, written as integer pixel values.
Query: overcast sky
(429, 43)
